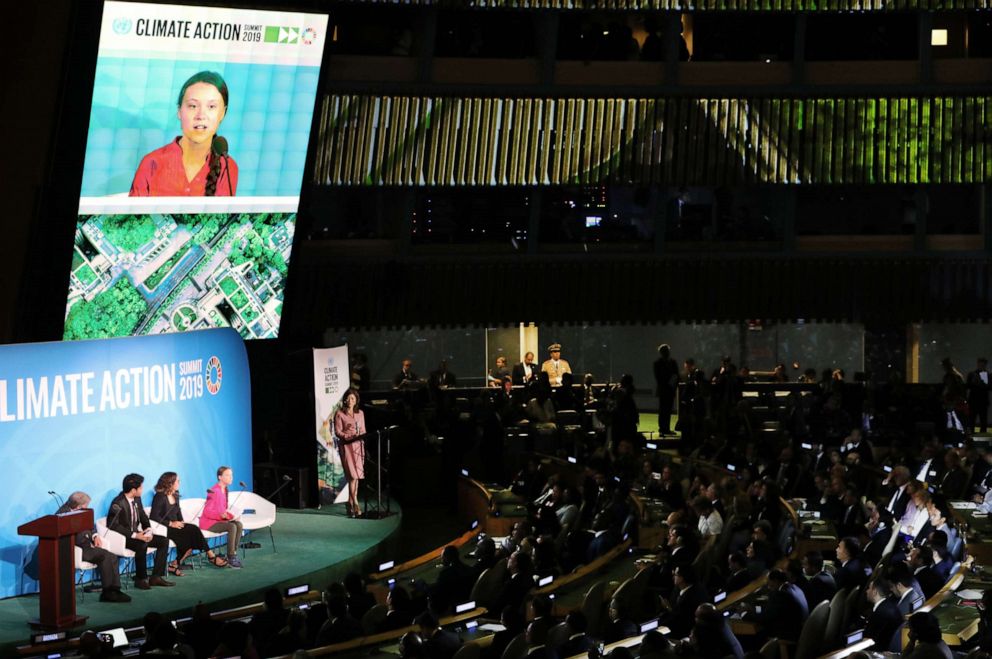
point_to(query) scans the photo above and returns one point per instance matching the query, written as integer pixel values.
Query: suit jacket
(518, 373)
(953, 482)
(339, 630)
(683, 614)
(876, 545)
(930, 582)
(442, 645)
(514, 592)
(453, 585)
(84, 539)
(821, 588)
(899, 509)
(119, 516)
(978, 391)
(716, 641)
(442, 378)
(785, 613)
(883, 623)
(164, 512)
(737, 581)
(851, 574)
(905, 602)
(662, 578)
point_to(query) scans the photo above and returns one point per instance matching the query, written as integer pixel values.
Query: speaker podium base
(36, 623)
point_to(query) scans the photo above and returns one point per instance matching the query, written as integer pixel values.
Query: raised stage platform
(312, 547)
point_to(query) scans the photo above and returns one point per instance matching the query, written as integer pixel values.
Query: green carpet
(314, 547)
(649, 422)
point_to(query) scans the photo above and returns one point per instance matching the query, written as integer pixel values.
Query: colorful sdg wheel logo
(214, 375)
(309, 36)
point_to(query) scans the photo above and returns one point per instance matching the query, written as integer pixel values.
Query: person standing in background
(666, 378)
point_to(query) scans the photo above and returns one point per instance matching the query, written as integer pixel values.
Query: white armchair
(82, 567)
(115, 543)
(257, 513)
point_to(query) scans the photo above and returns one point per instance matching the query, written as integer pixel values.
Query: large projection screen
(195, 153)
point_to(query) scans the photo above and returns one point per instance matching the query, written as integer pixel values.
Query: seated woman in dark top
(166, 511)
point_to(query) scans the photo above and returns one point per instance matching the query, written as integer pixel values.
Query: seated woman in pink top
(217, 518)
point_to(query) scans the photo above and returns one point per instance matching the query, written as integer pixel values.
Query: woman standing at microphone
(217, 518)
(196, 163)
(349, 428)
(166, 511)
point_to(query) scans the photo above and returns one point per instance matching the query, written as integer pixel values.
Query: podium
(56, 566)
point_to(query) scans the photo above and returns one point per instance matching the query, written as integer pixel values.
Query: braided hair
(215, 79)
(213, 174)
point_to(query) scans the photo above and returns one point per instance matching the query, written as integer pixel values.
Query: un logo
(122, 25)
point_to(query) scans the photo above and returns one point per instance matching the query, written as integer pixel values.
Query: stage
(312, 547)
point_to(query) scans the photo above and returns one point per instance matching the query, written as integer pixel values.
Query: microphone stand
(240, 492)
(286, 481)
(227, 173)
(58, 500)
(120, 509)
(381, 472)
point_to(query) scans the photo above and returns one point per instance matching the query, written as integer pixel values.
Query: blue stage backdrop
(80, 415)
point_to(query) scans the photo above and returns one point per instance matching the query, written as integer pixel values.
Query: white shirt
(711, 525)
(986, 505)
(924, 474)
(915, 518)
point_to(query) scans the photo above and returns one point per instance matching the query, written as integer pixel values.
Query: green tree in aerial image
(114, 312)
(209, 227)
(128, 232)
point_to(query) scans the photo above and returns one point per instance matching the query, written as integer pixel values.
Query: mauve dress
(353, 453)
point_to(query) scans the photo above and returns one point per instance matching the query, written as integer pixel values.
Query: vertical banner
(331, 378)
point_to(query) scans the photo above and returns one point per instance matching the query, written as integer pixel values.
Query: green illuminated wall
(373, 140)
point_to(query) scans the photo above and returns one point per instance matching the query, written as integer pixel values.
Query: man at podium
(93, 552)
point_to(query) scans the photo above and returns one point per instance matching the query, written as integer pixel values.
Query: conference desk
(496, 509)
(747, 598)
(955, 605)
(978, 530)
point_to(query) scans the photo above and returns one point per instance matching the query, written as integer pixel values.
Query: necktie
(134, 516)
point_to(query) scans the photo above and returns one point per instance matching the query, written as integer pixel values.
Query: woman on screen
(166, 511)
(349, 428)
(217, 516)
(195, 164)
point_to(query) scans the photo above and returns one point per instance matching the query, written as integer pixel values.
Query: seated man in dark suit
(406, 377)
(687, 595)
(620, 625)
(921, 563)
(739, 574)
(454, 582)
(93, 552)
(851, 572)
(818, 585)
(519, 585)
(711, 637)
(127, 516)
(884, 620)
(340, 625)
(880, 529)
(786, 611)
(438, 643)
